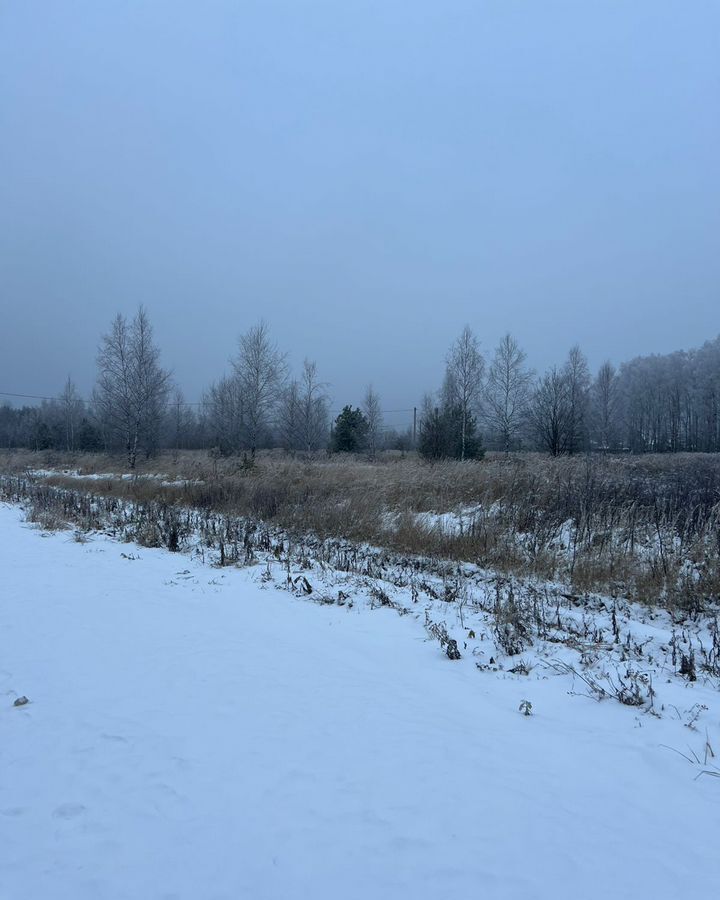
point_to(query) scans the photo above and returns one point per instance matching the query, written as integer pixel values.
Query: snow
(164, 480)
(91, 476)
(458, 521)
(199, 733)
(461, 520)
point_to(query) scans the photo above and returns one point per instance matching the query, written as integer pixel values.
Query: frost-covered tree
(507, 392)
(577, 378)
(303, 418)
(132, 388)
(288, 425)
(224, 414)
(72, 408)
(463, 382)
(605, 408)
(261, 371)
(313, 409)
(181, 424)
(372, 411)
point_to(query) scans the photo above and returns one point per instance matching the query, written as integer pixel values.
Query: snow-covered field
(198, 733)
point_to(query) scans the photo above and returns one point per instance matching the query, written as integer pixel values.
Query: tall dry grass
(644, 527)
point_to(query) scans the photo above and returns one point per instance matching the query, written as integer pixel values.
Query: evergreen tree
(350, 431)
(88, 438)
(42, 437)
(431, 441)
(449, 434)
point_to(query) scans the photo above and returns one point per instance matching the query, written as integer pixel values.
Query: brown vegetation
(647, 528)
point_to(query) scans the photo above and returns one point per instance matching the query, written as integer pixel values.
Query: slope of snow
(196, 733)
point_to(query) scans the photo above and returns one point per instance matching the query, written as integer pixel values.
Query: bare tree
(507, 391)
(549, 412)
(182, 422)
(224, 414)
(261, 370)
(604, 407)
(303, 417)
(577, 376)
(463, 382)
(373, 414)
(313, 408)
(289, 417)
(72, 408)
(132, 388)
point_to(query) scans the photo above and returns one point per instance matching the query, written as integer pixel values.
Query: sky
(367, 177)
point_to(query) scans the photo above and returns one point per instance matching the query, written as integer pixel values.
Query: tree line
(658, 403)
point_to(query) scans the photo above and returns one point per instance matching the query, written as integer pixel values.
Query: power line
(27, 396)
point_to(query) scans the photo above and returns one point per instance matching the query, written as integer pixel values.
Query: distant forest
(650, 404)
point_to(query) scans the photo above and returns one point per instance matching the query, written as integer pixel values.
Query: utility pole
(414, 425)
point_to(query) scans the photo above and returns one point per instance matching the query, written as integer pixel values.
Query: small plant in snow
(708, 754)
(526, 708)
(438, 630)
(634, 689)
(452, 649)
(302, 586)
(694, 714)
(687, 665)
(512, 631)
(521, 668)
(379, 595)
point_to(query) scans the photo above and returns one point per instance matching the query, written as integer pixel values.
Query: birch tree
(132, 388)
(303, 419)
(605, 407)
(463, 382)
(261, 370)
(577, 377)
(224, 414)
(181, 428)
(373, 416)
(313, 409)
(289, 417)
(72, 408)
(507, 391)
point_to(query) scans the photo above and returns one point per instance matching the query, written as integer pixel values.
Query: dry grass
(645, 527)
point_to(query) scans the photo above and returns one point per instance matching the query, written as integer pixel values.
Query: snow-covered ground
(163, 480)
(199, 733)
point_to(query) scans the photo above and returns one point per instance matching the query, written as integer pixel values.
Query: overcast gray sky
(366, 176)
